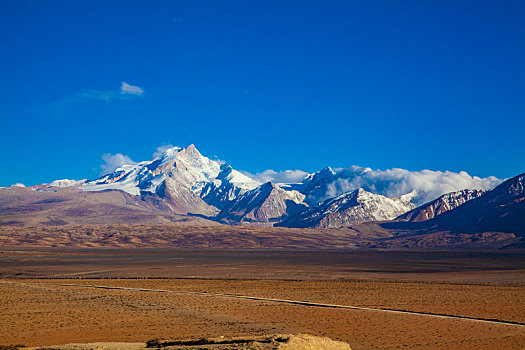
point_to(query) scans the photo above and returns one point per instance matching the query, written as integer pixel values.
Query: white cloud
(18, 184)
(279, 177)
(161, 149)
(127, 89)
(218, 160)
(125, 92)
(395, 182)
(114, 161)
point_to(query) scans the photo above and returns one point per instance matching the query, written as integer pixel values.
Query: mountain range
(181, 185)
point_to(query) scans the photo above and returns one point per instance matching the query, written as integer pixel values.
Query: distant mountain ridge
(499, 210)
(495, 218)
(184, 182)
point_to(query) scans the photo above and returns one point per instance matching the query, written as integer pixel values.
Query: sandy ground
(38, 309)
(40, 314)
(271, 342)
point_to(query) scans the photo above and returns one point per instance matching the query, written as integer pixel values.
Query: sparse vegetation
(12, 347)
(133, 316)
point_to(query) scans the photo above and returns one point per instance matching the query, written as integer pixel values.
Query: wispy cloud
(126, 91)
(114, 161)
(278, 177)
(162, 149)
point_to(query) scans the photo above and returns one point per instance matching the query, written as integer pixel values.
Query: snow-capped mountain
(264, 204)
(315, 186)
(187, 180)
(429, 185)
(352, 208)
(440, 205)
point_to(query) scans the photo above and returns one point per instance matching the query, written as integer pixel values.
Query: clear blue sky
(434, 85)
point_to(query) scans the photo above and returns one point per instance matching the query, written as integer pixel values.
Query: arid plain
(60, 295)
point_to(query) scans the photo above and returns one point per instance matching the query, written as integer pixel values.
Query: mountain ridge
(184, 182)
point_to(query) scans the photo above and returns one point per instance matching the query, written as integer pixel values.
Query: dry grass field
(39, 310)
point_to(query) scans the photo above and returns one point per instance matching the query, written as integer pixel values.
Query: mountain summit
(187, 180)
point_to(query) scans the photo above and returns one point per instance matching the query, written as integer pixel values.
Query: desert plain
(368, 299)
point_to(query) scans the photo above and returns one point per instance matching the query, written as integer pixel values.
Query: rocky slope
(351, 209)
(265, 204)
(499, 210)
(440, 205)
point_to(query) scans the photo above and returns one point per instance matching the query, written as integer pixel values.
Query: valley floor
(191, 292)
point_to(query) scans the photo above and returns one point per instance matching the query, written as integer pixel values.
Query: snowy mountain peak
(191, 152)
(267, 186)
(182, 170)
(327, 171)
(407, 198)
(360, 193)
(350, 208)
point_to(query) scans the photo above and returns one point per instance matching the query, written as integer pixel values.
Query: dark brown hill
(499, 210)
(440, 205)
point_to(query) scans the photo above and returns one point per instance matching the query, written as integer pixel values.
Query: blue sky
(277, 85)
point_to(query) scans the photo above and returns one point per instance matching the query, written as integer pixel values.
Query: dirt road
(284, 301)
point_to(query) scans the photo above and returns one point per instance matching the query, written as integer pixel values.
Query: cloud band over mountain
(428, 184)
(393, 182)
